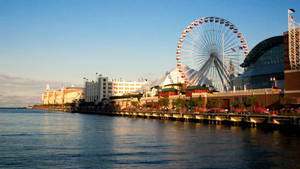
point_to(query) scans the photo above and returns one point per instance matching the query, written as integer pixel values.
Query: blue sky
(66, 40)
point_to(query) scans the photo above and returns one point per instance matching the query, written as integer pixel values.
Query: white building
(124, 87)
(96, 91)
(103, 88)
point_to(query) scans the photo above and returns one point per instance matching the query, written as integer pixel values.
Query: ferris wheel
(214, 49)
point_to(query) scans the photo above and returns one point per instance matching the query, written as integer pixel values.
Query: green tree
(134, 103)
(237, 104)
(196, 102)
(179, 102)
(212, 103)
(163, 102)
(250, 102)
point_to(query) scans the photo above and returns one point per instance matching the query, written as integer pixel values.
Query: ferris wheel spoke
(207, 73)
(193, 45)
(197, 36)
(230, 46)
(222, 80)
(222, 70)
(205, 67)
(192, 51)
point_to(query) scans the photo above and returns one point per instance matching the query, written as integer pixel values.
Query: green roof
(195, 88)
(169, 90)
(174, 84)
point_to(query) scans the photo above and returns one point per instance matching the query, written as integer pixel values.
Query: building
(120, 88)
(264, 65)
(194, 89)
(62, 96)
(96, 91)
(166, 92)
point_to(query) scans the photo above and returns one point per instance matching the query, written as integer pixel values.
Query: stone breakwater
(53, 108)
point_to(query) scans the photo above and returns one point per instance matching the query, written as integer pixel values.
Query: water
(40, 139)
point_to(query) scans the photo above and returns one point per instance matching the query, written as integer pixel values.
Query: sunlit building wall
(62, 96)
(96, 91)
(120, 88)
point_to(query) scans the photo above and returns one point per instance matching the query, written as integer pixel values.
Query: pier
(218, 118)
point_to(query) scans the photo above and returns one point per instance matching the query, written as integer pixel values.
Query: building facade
(264, 65)
(96, 91)
(62, 96)
(120, 88)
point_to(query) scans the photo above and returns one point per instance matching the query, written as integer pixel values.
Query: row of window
(116, 92)
(126, 84)
(126, 88)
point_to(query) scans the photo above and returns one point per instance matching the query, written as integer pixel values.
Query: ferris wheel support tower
(294, 41)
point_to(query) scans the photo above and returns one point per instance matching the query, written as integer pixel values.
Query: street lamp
(273, 81)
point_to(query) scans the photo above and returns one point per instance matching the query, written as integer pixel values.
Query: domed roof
(261, 48)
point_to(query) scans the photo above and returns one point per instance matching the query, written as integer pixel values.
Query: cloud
(19, 92)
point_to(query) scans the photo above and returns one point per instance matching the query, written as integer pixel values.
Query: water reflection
(66, 140)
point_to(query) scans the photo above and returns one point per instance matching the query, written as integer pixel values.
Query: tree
(163, 102)
(250, 101)
(212, 103)
(179, 102)
(200, 102)
(237, 104)
(134, 103)
(194, 102)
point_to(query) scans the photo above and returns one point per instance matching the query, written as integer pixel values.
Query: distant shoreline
(12, 107)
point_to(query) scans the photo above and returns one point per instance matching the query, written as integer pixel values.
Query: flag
(233, 49)
(291, 10)
(292, 18)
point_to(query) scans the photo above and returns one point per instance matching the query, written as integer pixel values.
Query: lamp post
(273, 81)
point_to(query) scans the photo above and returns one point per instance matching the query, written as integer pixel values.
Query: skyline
(65, 41)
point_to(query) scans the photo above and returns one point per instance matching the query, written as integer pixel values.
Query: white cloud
(19, 92)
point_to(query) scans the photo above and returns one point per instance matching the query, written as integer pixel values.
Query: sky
(61, 41)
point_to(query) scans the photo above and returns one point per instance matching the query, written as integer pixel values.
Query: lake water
(41, 139)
